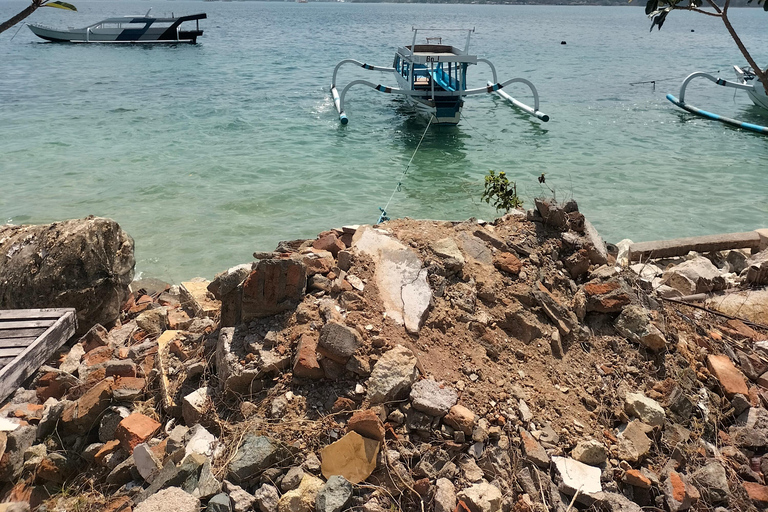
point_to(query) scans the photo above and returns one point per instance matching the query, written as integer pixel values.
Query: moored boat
(127, 29)
(433, 79)
(746, 81)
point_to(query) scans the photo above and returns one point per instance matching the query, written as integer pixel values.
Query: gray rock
(447, 248)
(392, 376)
(112, 417)
(756, 271)
(338, 342)
(311, 463)
(634, 324)
(122, 473)
(751, 428)
(590, 452)
(596, 249)
(634, 444)
(482, 497)
(242, 501)
(613, 502)
(267, 498)
(18, 441)
(219, 503)
(445, 495)
(256, 454)
(334, 495)
(433, 398)
(185, 475)
(292, 479)
(712, 482)
(171, 499)
(697, 275)
(88, 265)
(225, 282)
(51, 413)
(645, 409)
(153, 321)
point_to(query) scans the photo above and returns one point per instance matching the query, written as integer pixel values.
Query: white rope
(383, 215)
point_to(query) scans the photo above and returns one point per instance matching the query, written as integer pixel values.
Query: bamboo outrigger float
(433, 78)
(747, 81)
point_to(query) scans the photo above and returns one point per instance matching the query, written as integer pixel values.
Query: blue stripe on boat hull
(709, 115)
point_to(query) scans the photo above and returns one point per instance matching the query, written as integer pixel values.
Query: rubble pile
(415, 365)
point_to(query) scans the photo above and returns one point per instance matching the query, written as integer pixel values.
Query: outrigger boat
(433, 78)
(746, 80)
(126, 29)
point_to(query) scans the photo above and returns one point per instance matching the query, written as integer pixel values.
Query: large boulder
(86, 264)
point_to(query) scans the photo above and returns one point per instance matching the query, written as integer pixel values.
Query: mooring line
(383, 215)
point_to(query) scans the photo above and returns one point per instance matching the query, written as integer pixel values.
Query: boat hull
(758, 96)
(448, 113)
(110, 35)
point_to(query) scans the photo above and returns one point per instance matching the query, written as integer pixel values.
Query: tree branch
(714, 6)
(23, 14)
(757, 69)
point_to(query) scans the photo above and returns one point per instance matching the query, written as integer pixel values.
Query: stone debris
(419, 366)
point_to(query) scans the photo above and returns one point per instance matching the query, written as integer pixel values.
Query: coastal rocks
(86, 264)
(432, 398)
(577, 476)
(274, 286)
(697, 275)
(399, 275)
(590, 452)
(256, 454)
(172, 499)
(482, 497)
(334, 495)
(635, 324)
(353, 457)
(392, 375)
(645, 409)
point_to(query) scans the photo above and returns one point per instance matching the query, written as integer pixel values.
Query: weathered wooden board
(28, 337)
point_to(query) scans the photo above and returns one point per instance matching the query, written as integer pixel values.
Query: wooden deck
(28, 337)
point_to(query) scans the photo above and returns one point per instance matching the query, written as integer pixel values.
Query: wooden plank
(28, 361)
(17, 342)
(642, 251)
(26, 324)
(22, 333)
(32, 314)
(12, 351)
(4, 361)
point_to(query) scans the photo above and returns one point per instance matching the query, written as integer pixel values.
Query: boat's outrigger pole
(519, 104)
(335, 93)
(680, 102)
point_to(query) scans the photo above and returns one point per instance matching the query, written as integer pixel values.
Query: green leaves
(501, 191)
(61, 5)
(651, 6)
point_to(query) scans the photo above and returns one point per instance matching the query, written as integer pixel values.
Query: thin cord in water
(383, 215)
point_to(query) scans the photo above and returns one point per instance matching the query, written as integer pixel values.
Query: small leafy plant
(501, 191)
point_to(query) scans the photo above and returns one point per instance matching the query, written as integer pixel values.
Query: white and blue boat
(127, 29)
(433, 79)
(746, 80)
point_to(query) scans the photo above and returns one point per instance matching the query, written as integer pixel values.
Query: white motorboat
(746, 81)
(433, 78)
(127, 29)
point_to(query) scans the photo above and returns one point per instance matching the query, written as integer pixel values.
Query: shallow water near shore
(209, 152)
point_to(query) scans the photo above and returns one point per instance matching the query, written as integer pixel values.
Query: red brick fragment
(134, 430)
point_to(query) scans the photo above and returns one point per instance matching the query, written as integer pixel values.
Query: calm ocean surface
(206, 153)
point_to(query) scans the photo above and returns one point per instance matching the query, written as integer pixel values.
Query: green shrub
(501, 191)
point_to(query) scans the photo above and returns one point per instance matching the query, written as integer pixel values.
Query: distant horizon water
(206, 153)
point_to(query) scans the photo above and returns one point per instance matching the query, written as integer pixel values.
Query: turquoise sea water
(206, 153)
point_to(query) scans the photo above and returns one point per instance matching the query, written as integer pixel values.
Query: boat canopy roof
(430, 52)
(151, 19)
(426, 53)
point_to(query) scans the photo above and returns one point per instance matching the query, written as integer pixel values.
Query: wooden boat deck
(28, 337)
